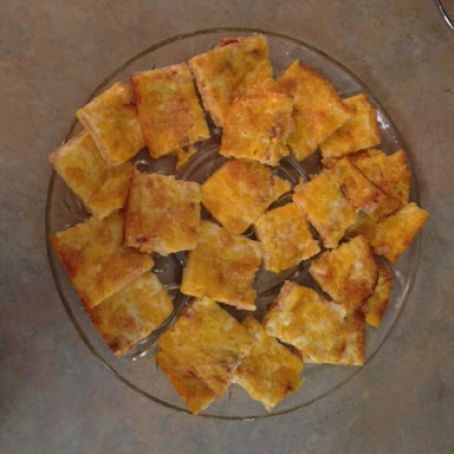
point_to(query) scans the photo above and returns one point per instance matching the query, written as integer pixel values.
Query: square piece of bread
(222, 267)
(111, 120)
(209, 341)
(162, 214)
(376, 305)
(270, 371)
(389, 172)
(286, 237)
(240, 191)
(359, 132)
(230, 70)
(195, 393)
(318, 110)
(394, 235)
(169, 110)
(348, 274)
(326, 206)
(258, 124)
(321, 330)
(97, 263)
(101, 188)
(132, 314)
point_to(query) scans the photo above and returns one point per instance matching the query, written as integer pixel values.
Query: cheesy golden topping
(321, 330)
(169, 111)
(240, 191)
(359, 132)
(378, 302)
(318, 110)
(286, 237)
(270, 371)
(209, 342)
(230, 70)
(97, 263)
(348, 274)
(132, 314)
(111, 120)
(162, 214)
(222, 267)
(257, 125)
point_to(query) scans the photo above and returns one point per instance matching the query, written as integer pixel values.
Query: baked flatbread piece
(378, 302)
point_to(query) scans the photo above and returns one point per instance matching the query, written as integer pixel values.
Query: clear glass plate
(139, 370)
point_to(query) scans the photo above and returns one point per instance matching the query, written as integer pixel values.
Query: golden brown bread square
(222, 267)
(101, 188)
(348, 274)
(169, 111)
(318, 110)
(240, 191)
(111, 120)
(132, 314)
(162, 214)
(97, 263)
(270, 371)
(359, 132)
(321, 330)
(257, 125)
(378, 302)
(209, 341)
(286, 237)
(394, 235)
(230, 70)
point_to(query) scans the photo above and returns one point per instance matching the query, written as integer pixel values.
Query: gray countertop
(55, 397)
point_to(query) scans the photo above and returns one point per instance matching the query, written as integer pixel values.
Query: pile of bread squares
(352, 220)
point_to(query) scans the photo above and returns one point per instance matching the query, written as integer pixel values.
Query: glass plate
(139, 370)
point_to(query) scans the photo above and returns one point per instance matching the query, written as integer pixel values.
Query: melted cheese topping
(359, 132)
(209, 342)
(318, 109)
(169, 111)
(240, 191)
(376, 305)
(223, 267)
(162, 214)
(286, 238)
(111, 120)
(348, 274)
(270, 371)
(95, 260)
(257, 125)
(319, 329)
(230, 70)
(132, 314)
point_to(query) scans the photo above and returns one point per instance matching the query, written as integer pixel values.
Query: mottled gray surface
(54, 396)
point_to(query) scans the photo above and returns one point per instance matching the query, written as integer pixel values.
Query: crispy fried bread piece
(359, 132)
(348, 274)
(111, 120)
(169, 111)
(321, 330)
(132, 314)
(389, 172)
(230, 70)
(270, 371)
(318, 110)
(378, 302)
(209, 341)
(240, 191)
(222, 267)
(392, 236)
(257, 125)
(97, 263)
(101, 188)
(162, 214)
(286, 237)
